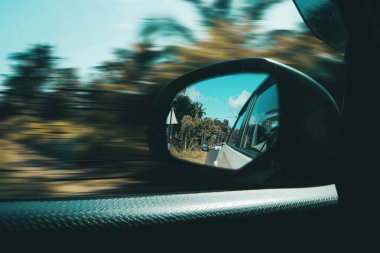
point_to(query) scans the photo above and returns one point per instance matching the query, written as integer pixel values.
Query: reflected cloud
(195, 94)
(237, 103)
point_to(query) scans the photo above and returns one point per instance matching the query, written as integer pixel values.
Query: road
(211, 157)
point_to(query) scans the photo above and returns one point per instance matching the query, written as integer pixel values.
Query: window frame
(251, 102)
(242, 112)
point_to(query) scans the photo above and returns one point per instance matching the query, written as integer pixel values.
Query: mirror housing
(305, 149)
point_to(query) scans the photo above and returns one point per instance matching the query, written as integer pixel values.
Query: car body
(248, 138)
(204, 147)
(217, 147)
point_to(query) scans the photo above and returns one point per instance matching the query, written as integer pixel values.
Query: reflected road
(211, 157)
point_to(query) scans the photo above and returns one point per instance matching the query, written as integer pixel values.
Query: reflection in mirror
(224, 121)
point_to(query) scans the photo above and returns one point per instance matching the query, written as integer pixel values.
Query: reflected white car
(254, 130)
(230, 158)
(217, 147)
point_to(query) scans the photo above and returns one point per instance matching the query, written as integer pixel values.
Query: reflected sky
(224, 96)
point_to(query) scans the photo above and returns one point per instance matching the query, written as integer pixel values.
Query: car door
(229, 157)
(249, 138)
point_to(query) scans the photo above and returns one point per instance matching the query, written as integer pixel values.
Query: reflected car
(255, 129)
(217, 147)
(204, 147)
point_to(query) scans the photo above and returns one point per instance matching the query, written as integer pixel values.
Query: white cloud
(195, 94)
(238, 102)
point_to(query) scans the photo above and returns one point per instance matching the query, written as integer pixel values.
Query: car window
(239, 126)
(263, 122)
(77, 79)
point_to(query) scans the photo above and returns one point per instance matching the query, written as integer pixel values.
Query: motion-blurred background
(78, 77)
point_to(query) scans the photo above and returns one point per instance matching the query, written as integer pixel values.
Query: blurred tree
(256, 10)
(130, 66)
(158, 28)
(168, 49)
(32, 72)
(67, 78)
(37, 86)
(235, 35)
(63, 94)
(217, 9)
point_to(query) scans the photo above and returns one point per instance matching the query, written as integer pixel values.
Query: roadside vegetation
(193, 127)
(191, 155)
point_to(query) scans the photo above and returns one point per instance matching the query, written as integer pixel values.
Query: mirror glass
(225, 121)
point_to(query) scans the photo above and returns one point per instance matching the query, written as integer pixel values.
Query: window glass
(236, 132)
(263, 122)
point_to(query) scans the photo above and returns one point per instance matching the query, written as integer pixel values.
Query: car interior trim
(86, 214)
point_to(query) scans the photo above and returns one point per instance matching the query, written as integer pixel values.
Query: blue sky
(223, 97)
(85, 31)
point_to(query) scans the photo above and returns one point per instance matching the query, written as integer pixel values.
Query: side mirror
(253, 115)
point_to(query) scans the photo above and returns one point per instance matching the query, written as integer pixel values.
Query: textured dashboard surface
(158, 209)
